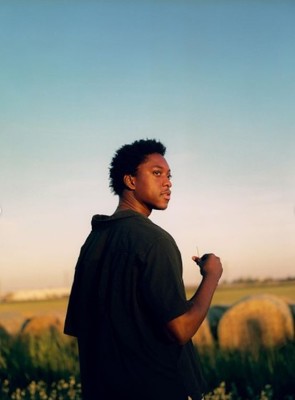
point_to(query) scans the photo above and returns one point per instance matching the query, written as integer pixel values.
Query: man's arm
(186, 325)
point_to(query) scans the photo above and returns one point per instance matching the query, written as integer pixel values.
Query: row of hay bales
(251, 323)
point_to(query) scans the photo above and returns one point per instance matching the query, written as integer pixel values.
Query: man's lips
(166, 194)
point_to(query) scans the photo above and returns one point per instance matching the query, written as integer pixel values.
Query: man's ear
(129, 182)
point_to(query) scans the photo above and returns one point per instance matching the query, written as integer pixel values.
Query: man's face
(152, 183)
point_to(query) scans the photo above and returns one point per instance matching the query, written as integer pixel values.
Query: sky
(213, 80)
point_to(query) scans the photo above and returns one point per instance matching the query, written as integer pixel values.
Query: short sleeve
(162, 283)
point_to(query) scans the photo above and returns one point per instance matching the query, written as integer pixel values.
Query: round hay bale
(40, 324)
(203, 337)
(255, 322)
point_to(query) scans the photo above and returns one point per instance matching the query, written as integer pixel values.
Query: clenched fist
(210, 265)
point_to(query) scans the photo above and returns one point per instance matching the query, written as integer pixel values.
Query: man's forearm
(186, 325)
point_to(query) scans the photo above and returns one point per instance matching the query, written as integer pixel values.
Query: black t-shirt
(127, 286)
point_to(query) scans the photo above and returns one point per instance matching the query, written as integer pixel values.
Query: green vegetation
(49, 356)
(46, 367)
(43, 365)
(61, 390)
(248, 375)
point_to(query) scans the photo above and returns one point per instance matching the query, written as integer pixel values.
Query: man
(127, 306)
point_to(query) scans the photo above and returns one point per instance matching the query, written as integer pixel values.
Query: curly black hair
(127, 159)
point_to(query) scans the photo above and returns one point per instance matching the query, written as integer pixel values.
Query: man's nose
(167, 182)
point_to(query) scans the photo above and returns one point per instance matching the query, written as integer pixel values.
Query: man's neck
(129, 203)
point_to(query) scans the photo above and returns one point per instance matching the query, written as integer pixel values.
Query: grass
(63, 389)
(47, 368)
(227, 294)
(247, 374)
(30, 308)
(71, 390)
(50, 356)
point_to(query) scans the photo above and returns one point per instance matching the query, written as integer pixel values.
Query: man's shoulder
(129, 223)
(142, 227)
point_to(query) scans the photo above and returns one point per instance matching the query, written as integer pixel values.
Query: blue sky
(213, 80)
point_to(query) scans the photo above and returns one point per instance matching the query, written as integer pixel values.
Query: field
(14, 313)
(231, 293)
(38, 364)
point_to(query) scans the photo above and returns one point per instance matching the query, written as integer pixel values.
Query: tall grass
(45, 367)
(48, 357)
(248, 374)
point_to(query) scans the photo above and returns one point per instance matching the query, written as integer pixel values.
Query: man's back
(128, 285)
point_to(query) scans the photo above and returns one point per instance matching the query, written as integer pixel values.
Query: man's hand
(210, 265)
